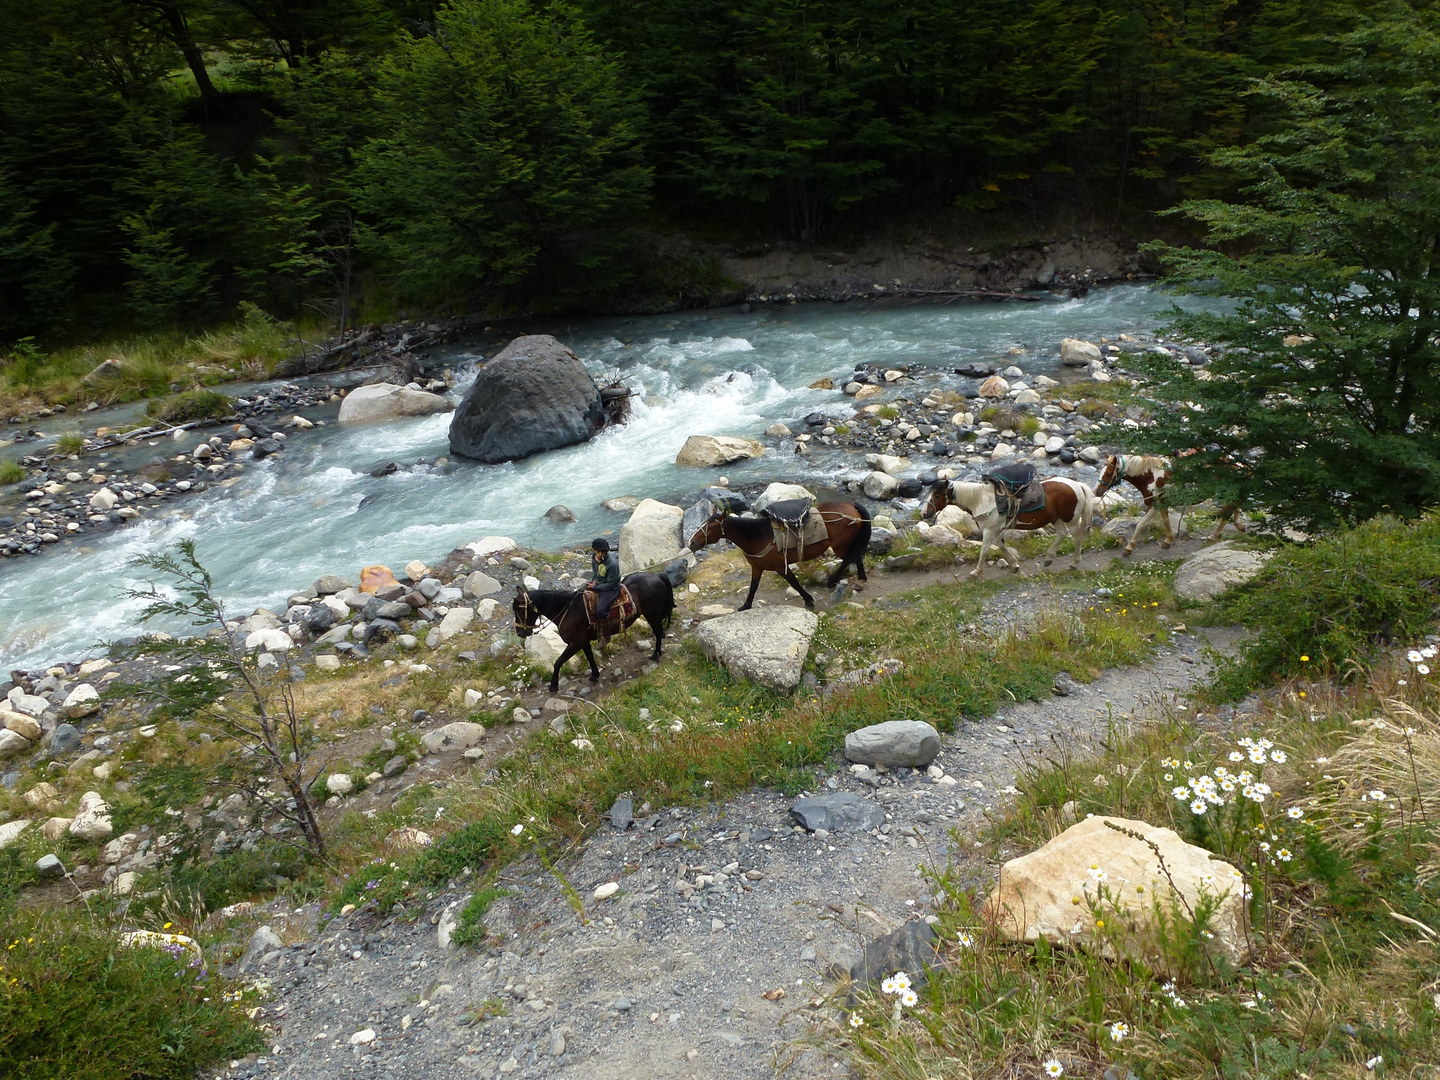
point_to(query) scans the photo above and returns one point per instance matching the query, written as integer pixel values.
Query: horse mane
(546, 601)
(748, 528)
(1139, 464)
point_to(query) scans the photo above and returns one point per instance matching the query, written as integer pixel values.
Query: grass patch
(469, 927)
(704, 735)
(1329, 607)
(12, 472)
(77, 1005)
(188, 405)
(1341, 856)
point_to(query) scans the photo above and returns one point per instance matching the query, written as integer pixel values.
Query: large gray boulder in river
(535, 395)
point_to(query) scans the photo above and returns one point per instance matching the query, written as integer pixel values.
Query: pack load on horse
(1149, 475)
(1009, 499)
(788, 533)
(647, 596)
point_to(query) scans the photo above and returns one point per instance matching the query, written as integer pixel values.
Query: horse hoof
(1128, 552)
(1166, 543)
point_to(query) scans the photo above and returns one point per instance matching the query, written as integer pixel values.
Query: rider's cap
(600, 544)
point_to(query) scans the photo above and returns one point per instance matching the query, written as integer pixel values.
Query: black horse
(654, 600)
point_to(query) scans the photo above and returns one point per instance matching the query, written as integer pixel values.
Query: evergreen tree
(506, 137)
(1326, 403)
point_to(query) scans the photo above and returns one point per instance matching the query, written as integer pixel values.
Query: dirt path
(659, 981)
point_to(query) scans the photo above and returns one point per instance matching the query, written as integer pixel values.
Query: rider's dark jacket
(606, 575)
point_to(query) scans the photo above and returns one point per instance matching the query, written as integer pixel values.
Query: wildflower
(1119, 1031)
(1414, 657)
(1283, 854)
(1101, 779)
(966, 940)
(909, 998)
(1295, 813)
(1189, 765)
(1053, 1068)
(1169, 777)
(1096, 872)
(1235, 755)
(1170, 763)
(902, 981)
(1377, 795)
(517, 830)
(856, 1020)
(888, 985)
(1423, 669)
(1182, 794)
(1378, 1059)
(1304, 659)
(1198, 807)
(1322, 761)
(1278, 756)
(1257, 756)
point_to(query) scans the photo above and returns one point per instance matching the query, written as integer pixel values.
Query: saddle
(620, 611)
(1017, 490)
(796, 525)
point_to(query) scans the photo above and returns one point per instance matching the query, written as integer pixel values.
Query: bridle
(718, 517)
(1105, 485)
(527, 606)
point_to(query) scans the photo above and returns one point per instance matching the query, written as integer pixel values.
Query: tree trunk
(194, 58)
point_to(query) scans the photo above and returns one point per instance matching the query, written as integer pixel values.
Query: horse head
(526, 613)
(941, 496)
(1111, 475)
(710, 531)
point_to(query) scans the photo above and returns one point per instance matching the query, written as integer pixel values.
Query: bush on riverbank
(189, 405)
(76, 1004)
(1329, 607)
(1341, 855)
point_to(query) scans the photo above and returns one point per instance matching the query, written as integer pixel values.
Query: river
(316, 509)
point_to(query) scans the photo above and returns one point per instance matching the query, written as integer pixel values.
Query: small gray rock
(261, 942)
(395, 766)
(49, 866)
(559, 514)
(842, 812)
(622, 813)
(910, 949)
(65, 739)
(330, 584)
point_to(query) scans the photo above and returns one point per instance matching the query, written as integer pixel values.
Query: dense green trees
(161, 160)
(1327, 408)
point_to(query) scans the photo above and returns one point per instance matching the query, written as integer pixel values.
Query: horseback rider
(604, 576)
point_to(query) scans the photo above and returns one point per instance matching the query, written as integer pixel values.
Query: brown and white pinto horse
(1148, 475)
(1069, 506)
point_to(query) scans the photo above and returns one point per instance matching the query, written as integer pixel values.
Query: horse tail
(669, 606)
(861, 543)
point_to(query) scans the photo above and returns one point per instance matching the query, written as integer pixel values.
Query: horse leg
(985, 538)
(755, 573)
(594, 667)
(1060, 533)
(1149, 513)
(656, 625)
(1079, 537)
(1169, 530)
(790, 577)
(570, 650)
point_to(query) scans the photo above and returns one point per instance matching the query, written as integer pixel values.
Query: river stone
(1035, 897)
(456, 621)
(911, 949)
(269, 641)
(911, 744)
(994, 387)
(104, 500)
(319, 618)
(386, 401)
(92, 819)
(765, 645)
(65, 739)
(560, 514)
(651, 537)
(329, 585)
(886, 463)
(712, 450)
(1077, 353)
(489, 546)
(1213, 570)
(534, 396)
(461, 735)
(20, 724)
(263, 940)
(780, 492)
(379, 630)
(11, 830)
(481, 584)
(29, 704)
(841, 812)
(880, 485)
(621, 504)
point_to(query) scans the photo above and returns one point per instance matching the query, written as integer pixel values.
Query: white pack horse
(1069, 507)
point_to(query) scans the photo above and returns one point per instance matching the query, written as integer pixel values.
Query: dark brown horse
(847, 533)
(1149, 475)
(654, 601)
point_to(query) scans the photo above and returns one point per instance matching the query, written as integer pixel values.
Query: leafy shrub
(190, 405)
(72, 442)
(78, 1005)
(1330, 606)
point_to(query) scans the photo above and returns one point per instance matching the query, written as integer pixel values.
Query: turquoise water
(315, 509)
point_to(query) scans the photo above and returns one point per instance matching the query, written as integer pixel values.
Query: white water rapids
(299, 514)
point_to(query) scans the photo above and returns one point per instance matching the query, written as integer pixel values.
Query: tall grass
(150, 365)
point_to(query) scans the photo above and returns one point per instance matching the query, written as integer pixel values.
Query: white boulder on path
(1213, 570)
(651, 537)
(766, 645)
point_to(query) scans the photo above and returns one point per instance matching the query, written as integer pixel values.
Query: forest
(163, 161)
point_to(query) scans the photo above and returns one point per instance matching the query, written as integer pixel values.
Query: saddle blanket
(788, 538)
(620, 611)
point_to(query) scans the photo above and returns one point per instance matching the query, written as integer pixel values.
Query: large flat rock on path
(1213, 570)
(765, 645)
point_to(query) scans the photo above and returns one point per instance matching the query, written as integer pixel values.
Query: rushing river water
(315, 508)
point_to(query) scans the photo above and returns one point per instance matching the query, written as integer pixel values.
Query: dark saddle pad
(1017, 489)
(620, 611)
(790, 513)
